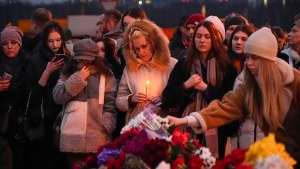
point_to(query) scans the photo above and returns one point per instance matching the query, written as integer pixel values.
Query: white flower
(163, 165)
(135, 122)
(125, 128)
(273, 161)
(203, 152)
(210, 162)
(164, 122)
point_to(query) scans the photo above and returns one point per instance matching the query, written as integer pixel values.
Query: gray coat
(101, 115)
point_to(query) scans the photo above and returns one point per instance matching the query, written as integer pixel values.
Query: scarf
(212, 74)
(10, 64)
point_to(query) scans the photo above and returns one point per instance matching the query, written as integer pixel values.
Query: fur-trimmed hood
(161, 58)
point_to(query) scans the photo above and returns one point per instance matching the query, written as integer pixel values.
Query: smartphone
(6, 76)
(59, 56)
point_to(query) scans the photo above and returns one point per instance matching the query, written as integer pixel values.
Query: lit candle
(147, 83)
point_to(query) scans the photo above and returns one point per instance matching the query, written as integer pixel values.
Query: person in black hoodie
(13, 61)
(41, 76)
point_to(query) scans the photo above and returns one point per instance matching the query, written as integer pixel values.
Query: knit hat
(235, 20)
(263, 44)
(85, 49)
(218, 24)
(194, 19)
(12, 33)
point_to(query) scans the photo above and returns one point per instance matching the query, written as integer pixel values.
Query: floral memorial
(147, 141)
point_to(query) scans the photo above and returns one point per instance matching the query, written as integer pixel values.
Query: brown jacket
(232, 107)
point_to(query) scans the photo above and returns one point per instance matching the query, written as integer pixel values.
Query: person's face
(142, 48)
(82, 63)
(101, 25)
(229, 31)
(108, 25)
(184, 32)
(128, 20)
(10, 48)
(281, 43)
(294, 36)
(101, 49)
(104, 27)
(203, 40)
(238, 42)
(253, 63)
(54, 41)
(190, 28)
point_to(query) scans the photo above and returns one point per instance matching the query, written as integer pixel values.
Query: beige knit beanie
(12, 33)
(218, 24)
(263, 44)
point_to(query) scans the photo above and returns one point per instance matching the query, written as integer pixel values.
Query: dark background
(166, 13)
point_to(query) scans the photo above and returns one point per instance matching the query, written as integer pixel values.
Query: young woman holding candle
(148, 66)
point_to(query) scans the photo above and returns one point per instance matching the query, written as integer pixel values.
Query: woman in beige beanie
(13, 62)
(269, 92)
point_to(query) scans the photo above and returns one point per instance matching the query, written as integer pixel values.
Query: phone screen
(59, 56)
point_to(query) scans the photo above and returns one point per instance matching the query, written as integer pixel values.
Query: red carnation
(180, 138)
(91, 161)
(194, 162)
(178, 163)
(117, 163)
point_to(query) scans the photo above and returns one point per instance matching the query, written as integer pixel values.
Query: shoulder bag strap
(27, 106)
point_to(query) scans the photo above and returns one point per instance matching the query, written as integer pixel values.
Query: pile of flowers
(149, 142)
(145, 143)
(263, 154)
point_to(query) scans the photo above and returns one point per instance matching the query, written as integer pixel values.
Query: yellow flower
(266, 147)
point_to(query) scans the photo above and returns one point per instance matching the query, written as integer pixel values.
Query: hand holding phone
(6, 76)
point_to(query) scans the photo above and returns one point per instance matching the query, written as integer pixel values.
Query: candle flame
(147, 82)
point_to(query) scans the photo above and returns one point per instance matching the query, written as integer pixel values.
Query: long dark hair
(72, 66)
(218, 50)
(134, 12)
(50, 27)
(110, 49)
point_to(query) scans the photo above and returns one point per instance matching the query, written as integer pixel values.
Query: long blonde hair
(262, 97)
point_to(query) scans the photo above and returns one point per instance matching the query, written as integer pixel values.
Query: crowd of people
(216, 79)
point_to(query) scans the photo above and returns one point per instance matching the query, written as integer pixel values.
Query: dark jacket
(176, 45)
(175, 95)
(15, 96)
(33, 45)
(37, 65)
